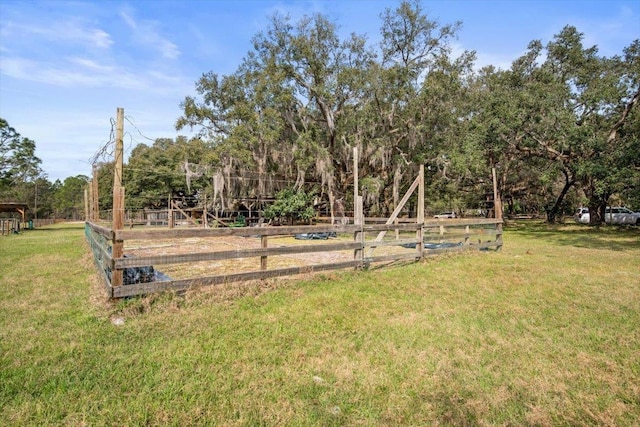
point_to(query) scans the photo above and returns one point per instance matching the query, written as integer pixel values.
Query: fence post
(95, 217)
(356, 217)
(86, 205)
(497, 198)
(118, 200)
(170, 213)
(358, 236)
(420, 220)
(420, 239)
(263, 259)
(205, 220)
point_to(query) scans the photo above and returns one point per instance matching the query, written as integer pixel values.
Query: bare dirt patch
(145, 248)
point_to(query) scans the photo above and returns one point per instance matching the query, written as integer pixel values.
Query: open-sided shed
(13, 207)
(13, 224)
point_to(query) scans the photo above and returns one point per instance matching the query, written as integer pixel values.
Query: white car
(621, 215)
(614, 215)
(446, 215)
(582, 215)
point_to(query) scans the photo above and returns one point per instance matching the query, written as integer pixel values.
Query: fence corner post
(118, 201)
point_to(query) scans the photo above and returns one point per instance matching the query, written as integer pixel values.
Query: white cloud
(128, 20)
(77, 72)
(49, 73)
(484, 57)
(71, 31)
(613, 33)
(101, 38)
(92, 65)
(146, 33)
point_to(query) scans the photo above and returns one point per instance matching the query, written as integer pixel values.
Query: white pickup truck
(613, 215)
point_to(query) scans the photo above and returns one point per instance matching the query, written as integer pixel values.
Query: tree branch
(623, 118)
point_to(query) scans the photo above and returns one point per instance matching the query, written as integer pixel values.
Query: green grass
(545, 332)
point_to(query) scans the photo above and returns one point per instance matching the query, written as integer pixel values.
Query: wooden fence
(37, 223)
(12, 225)
(8, 226)
(358, 246)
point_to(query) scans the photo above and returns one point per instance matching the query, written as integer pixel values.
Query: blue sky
(65, 66)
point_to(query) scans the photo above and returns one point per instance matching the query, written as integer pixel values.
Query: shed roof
(13, 207)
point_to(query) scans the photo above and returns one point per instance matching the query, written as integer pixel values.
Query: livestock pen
(128, 258)
(194, 257)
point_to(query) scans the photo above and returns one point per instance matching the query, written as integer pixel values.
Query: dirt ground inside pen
(236, 265)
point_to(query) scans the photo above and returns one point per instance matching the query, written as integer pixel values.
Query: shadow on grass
(49, 228)
(75, 225)
(609, 237)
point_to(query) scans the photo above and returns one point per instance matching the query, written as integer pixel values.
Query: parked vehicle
(621, 215)
(582, 215)
(446, 215)
(613, 215)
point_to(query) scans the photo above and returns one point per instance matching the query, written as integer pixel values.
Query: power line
(128, 119)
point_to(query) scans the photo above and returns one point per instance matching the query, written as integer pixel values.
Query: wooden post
(118, 198)
(420, 244)
(497, 203)
(86, 204)
(421, 195)
(205, 220)
(356, 214)
(497, 207)
(170, 213)
(90, 219)
(95, 198)
(358, 236)
(358, 211)
(420, 220)
(263, 259)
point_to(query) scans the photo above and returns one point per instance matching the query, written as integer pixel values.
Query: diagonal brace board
(175, 206)
(398, 208)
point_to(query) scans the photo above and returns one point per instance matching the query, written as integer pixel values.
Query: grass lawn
(545, 332)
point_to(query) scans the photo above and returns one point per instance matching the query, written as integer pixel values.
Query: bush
(291, 204)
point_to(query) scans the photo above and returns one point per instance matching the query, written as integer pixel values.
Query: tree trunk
(552, 214)
(597, 204)
(596, 211)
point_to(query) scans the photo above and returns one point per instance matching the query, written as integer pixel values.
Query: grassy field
(545, 332)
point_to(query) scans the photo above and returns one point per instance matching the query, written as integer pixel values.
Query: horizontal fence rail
(355, 246)
(238, 231)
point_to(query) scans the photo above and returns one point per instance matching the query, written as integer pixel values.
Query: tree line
(560, 126)
(23, 180)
